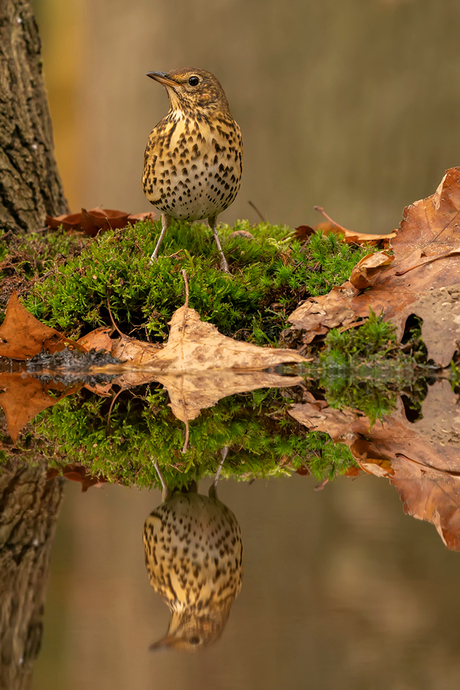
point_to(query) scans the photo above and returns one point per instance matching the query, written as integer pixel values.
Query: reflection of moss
(364, 369)
(263, 439)
(270, 274)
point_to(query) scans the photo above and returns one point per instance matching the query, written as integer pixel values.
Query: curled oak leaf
(426, 258)
(430, 495)
(302, 232)
(22, 336)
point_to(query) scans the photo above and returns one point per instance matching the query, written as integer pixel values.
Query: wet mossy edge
(70, 283)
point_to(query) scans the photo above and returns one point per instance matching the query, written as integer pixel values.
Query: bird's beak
(164, 643)
(162, 78)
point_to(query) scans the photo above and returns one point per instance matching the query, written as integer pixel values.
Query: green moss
(375, 338)
(271, 273)
(263, 439)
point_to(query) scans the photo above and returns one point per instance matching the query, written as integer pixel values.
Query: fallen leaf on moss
(426, 259)
(302, 232)
(22, 336)
(96, 220)
(319, 314)
(194, 346)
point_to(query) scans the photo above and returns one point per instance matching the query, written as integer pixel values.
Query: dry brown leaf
(195, 346)
(98, 340)
(364, 271)
(349, 237)
(421, 459)
(96, 220)
(22, 336)
(426, 258)
(318, 314)
(138, 352)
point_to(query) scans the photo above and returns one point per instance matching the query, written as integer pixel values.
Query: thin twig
(323, 212)
(112, 320)
(110, 410)
(184, 275)
(252, 205)
(185, 446)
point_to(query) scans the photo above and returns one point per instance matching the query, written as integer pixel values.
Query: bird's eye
(194, 640)
(193, 81)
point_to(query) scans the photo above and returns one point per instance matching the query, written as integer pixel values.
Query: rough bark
(28, 510)
(30, 186)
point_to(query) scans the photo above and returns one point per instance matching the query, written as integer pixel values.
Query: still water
(341, 590)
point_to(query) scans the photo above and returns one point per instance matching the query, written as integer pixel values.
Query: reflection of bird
(193, 158)
(194, 557)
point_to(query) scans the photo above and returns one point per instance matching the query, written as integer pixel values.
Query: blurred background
(349, 104)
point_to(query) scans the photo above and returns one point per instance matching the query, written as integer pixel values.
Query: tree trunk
(30, 186)
(28, 510)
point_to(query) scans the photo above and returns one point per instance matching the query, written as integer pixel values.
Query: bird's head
(189, 633)
(191, 89)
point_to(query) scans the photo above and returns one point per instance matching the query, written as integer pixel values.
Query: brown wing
(157, 153)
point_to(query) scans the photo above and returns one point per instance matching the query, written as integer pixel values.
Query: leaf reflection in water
(421, 459)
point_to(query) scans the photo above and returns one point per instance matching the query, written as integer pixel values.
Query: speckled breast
(193, 551)
(193, 167)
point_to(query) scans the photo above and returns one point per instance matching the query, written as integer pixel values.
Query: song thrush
(194, 558)
(193, 158)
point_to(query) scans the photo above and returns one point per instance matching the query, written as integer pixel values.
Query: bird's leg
(223, 261)
(213, 487)
(165, 221)
(166, 492)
